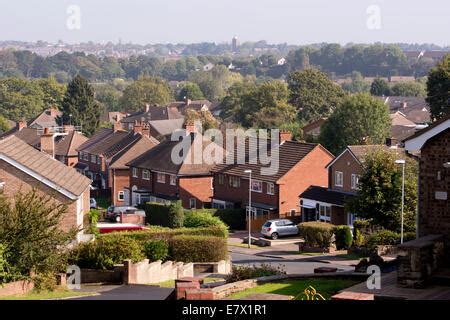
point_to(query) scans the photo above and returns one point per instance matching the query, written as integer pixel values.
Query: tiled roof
(290, 153)
(67, 145)
(108, 144)
(132, 151)
(154, 113)
(46, 119)
(360, 151)
(28, 135)
(435, 124)
(399, 119)
(326, 195)
(159, 158)
(415, 109)
(44, 165)
(401, 133)
(97, 137)
(165, 127)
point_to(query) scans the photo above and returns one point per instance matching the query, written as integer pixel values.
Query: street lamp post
(402, 162)
(249, 206)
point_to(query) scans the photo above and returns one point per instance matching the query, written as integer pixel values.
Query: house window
(80, 155)
(135, 172)
(85, 156)
(192, 203)
(93, 159)
(145, 174)
(270, 188)
(120, 196)
(235, 182)
(338, 179)
(256, 186)
(161, 177)
(324, 213)
(99, 161)
(355, 181)
(221, 179)
(173, 180)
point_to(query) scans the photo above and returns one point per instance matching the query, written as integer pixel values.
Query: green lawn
(171, 283)
(46, 295)
(244, 245)
(326, 287)
(351, 256)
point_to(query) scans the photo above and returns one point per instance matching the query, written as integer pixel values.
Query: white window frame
(324, 218)
(93, 158)
(257, 182)
(160, 177)
(270, 188)
(336, 180)
(192, 203)
(355, 181)
(99, 161)
(121, 196)
(86, 157)
(135, 172)
(173, 180)
(233, 179)
(145, 174)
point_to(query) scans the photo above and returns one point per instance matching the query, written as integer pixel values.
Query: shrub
(365, 227)
(198, 249)
(201, 218)
(156, 214)
(383, 237)
(176, 215)
(235, 219)
(359, 238)
(105, 252)
(156, 250)
(3, 264)
(344, 238)
(316, 234)
(239, 273)
(154, 232)
(94, 215)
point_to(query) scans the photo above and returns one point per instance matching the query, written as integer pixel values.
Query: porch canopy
(323, 195)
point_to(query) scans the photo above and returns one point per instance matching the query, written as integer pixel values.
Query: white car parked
(278, 228)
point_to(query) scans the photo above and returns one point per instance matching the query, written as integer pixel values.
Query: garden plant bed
(295, 287)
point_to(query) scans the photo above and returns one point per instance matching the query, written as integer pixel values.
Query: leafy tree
(79, 107)
(408, 89)
(313, 94)
(108, 96)
(149, 90)
(190, 91)
(30, 232)
(360, 119)
(4, 125)
(380, 87)
(380, 190)
(438, 89)
(206, 118)
(357, 84)
(53, 91)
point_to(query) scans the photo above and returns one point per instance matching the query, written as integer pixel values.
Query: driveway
(123, 292)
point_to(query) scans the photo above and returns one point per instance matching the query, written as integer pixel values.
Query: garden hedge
(198, 249)
(157, 214)
(344, 237)
(317, 234)
(201, 218)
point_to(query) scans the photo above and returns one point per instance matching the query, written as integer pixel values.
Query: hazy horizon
(294, 22)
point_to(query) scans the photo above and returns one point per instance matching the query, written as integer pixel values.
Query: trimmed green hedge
(317, 234)
(201, 218)
(387, 237)
(344, 238)
(198, 249)
(156, 250)
(235, 219)
(157, 214)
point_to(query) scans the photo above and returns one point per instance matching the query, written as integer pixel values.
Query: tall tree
(313, 94)
(190, 91)
(380, 191)
(380, 87)
(79, 107)
(408, 89)
(151, 90)
(360, 119)
(438, 88)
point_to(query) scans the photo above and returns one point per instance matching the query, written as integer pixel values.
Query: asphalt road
(303, 266)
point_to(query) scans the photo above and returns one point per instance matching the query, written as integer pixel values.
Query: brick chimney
(117, 126)
(285, 135)
(20, 125)
(137, 127)
(404, 104)
(146, 129)
(48, 142)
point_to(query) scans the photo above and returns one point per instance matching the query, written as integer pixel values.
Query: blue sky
(187, 21)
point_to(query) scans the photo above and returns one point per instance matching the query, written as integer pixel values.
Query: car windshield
(267, 224)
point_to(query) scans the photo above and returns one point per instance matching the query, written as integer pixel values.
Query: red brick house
(119, 172)
(23, 168)
(432, 144)
(155, 177)
(300, 166)
(326, 203)
(151, 113)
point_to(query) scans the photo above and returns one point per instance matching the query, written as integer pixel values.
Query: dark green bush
(176, 215)
(239, 273)
(107, 251)
(235, 219)
(156, 250)
(344, 238)
(383, 237)
(156, 214)
(198, 249)
(94, 215)
(316, 234)
(201, 218)
(3, 264)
